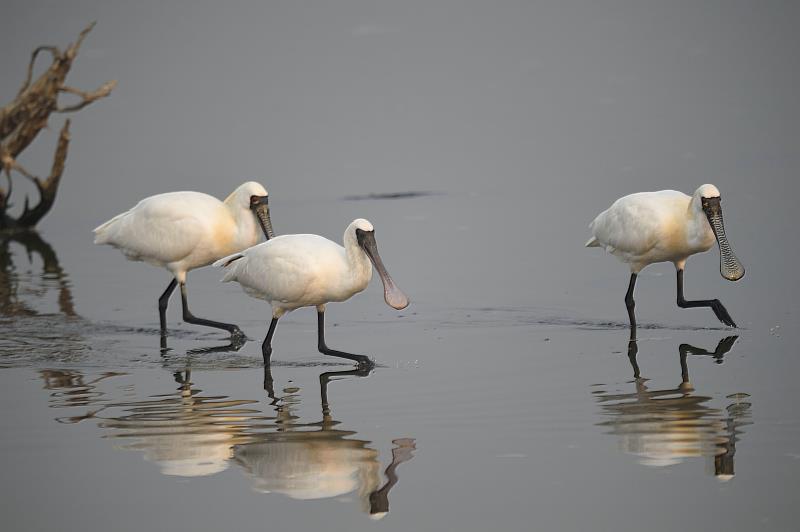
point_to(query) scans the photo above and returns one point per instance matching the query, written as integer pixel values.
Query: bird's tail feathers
(592, 243)
(102, 233)
(226, 261)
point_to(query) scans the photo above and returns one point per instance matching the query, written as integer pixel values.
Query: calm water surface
(476, 415)
(506, 396)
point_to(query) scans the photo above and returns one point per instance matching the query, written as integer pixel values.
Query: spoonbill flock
(181, 231)
(666, 226)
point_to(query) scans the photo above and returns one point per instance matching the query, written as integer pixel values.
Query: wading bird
(181, 231)
(666, 226)
(293, 271)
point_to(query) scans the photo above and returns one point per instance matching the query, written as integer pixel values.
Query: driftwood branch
(23, 119)
(87, 97)
(52, 49)
(47, 188)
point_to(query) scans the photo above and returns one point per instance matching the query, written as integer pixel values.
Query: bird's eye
(254, 199)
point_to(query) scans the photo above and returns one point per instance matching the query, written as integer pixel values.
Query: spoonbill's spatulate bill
(181, 231)
(666, 226)
(293, 271)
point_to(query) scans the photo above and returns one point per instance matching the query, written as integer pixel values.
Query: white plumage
(666, 226)
(181, 231)
(293, 271)
(649, 227)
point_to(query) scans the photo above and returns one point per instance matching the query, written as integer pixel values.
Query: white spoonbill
(666, 226)
(181, 231)
(293, 271)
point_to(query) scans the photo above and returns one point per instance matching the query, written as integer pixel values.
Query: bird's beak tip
(736, 277)
(397, 301)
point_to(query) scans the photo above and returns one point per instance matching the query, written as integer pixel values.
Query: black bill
(260, 207)
(393, 296)
(729, 266)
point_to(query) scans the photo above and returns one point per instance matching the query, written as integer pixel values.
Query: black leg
(714, 304)
(188, 317)
(361, 359)
(164, 347)
(269, 386)
(631, 304)
(633, 350)
(162, 304)
(266, 347)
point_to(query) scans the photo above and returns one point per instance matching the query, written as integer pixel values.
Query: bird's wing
(163, 228)
(285, 268)
(629, 226)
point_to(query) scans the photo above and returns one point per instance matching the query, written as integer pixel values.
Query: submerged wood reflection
(12, 284)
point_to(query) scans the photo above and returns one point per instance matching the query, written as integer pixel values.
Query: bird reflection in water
(666, 426)
(186, 433)
(319, 460)
(190, 434)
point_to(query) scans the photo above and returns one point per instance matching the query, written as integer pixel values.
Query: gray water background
(523, 120)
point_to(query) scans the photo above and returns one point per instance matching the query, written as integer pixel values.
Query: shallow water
(473, 417)
(507, 395)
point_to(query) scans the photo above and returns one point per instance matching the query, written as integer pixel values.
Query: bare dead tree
(23, 119)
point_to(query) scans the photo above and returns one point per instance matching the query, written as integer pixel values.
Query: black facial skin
(366, 240)
(361, 236)
(255, 201)
(712, 207)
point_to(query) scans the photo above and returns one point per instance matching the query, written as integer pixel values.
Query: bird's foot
(364, 362)
(722, 313)
(236, 334)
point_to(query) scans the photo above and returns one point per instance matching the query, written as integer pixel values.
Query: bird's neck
(246, 226)
(699, 236)
(358, 263)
